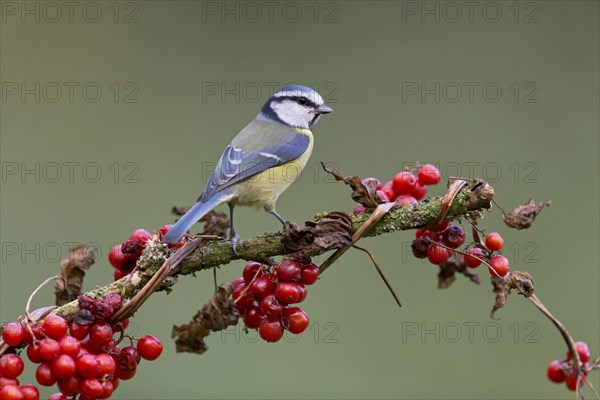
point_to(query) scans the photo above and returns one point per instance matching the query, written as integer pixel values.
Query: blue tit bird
(263, 159)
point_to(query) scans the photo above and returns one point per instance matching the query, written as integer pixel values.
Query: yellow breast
(264, 188)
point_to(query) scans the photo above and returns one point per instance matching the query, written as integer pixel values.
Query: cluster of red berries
(405, 188)
(263, 297)
(81, 359)
(124, 256)
(453, 236)
(560, 371)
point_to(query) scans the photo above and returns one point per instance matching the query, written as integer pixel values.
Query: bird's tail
(192, 216)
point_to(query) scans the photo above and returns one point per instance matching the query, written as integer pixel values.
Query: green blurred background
(160, 87)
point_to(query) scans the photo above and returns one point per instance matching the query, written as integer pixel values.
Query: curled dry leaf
(523, 216)
(448, 270)
(480, 196)
(72, 271)
(364, 194)
(217, 314)
(332, 231)
(521, 281)
(216, 222)
(501, 290)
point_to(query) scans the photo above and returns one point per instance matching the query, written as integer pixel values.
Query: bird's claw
(234, 241)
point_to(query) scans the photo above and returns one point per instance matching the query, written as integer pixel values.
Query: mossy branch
(470, 202)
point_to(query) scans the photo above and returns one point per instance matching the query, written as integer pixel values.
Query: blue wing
(237, 165)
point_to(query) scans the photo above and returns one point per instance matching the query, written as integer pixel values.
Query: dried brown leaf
(217, 314)
(362, 193)
(501, 290)
(522, 282)
(523, 216)
(216, 222)
(72, 271)
(450, 268)
(332, 231)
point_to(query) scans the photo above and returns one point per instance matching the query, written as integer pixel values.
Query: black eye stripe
(302, 100)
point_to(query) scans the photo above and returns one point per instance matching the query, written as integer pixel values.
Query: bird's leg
(232, 234)
(271, 210)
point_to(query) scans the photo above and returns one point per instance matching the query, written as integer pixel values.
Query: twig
(387, 283)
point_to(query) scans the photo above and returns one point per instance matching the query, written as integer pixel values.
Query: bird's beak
(323, 109)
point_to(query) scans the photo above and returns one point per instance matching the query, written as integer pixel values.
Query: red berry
(55, 327)
(555, 371)
(57, 396)
(114, 300)
(26, 336)
(88, 366)
(120, 274)
(101, 333)
(7, 381)
(388, 189)
(11, 366)
(117, 259)
(129, 358)
(49, 348)
(263, 286)
(454, 236)
(149, 347)
(309, 274)
(303, 292)
(583, 351)
(403, 183)
(107, 364)
(294, 319)
(253, 316)
(125, 375)
(405, 200)
(44, 375)
(69, 346)
(437, 254)
(141, 236)
(419, 191)
(366, 182)
(91, 388)
(107, 389)
(383, 196)
(419, 247)
(358, 209)
(12, 333)
(494, 241)
(33, 353)
(11, 392)
(441, 227)
(572, 381)
(499, 264)
(271, 329)
(288, 292)
(162, 231)
(242, 297)
(429, 174)
(270, 306)
(79, 332)
(289, 271)
(30, 392)
(68, 386)
(236, 282)
(251, 271)
(63, 367)
(473, 262)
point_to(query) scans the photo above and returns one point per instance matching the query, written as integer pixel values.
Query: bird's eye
(303, 101)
